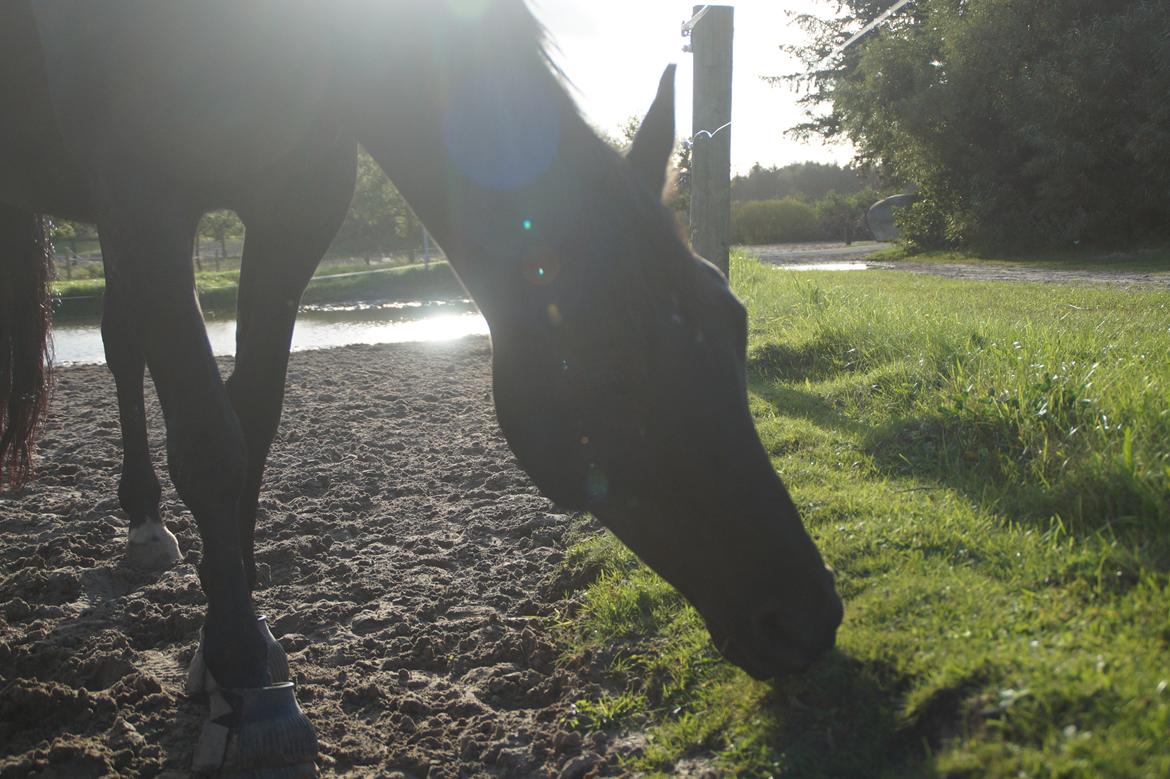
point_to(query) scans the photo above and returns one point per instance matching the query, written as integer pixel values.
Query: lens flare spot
(596, 485)
(526, 224)
(501, 132)
(541, 267)
(554, 315)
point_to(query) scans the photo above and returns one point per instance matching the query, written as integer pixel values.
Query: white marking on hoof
(210, 749)
(277, 657)
(199, 679)
(152, 546)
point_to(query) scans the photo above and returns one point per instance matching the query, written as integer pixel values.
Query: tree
(1020, 124)
(783, 220)
(679, 199)
(65, 235)
(807, 180)
(842, 216)
(379, 218)
(220, 226)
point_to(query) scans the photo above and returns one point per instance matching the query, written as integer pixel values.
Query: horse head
(620, 385)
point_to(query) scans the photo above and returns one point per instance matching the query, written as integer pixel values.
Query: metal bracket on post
(689, 26)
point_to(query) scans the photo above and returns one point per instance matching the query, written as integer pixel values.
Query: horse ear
(650, 151)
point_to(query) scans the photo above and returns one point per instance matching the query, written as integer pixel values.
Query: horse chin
(760, 662)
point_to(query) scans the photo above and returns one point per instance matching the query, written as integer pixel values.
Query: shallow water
(318, 327)
(825, 266)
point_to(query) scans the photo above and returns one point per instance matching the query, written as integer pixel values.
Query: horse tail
(25, 377)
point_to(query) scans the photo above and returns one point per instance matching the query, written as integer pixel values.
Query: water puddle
(318, 327)
(835, 266)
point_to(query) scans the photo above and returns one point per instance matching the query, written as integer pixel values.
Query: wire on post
(886, 14)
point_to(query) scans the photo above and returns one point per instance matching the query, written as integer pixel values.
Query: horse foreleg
(255, 725)
(150, 544)
(290, 224)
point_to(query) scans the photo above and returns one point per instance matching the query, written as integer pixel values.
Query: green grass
(987, 466)
(80, 298)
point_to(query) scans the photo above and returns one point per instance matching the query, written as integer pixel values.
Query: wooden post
(711, 40)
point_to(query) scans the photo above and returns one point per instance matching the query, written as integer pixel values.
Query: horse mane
(512, 27)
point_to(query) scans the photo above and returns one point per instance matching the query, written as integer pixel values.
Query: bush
(923, 227)
(842, 217)
(786, 220)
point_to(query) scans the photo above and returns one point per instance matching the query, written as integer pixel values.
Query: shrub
(923, 227)
(842, 217)
(786, 220)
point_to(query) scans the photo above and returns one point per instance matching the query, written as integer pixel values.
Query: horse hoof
(200, 680)
(260, 734)
(152, 547)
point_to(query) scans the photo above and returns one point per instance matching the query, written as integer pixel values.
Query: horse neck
(488, 149)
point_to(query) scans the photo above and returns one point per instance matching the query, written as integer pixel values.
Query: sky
(614, 52)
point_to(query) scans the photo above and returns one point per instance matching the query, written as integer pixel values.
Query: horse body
(34, 170)
(167, 114)
(618, 356)
(183, 91)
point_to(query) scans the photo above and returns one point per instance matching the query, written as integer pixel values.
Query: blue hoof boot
(258, 734)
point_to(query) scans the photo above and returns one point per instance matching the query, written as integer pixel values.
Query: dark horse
(618, 355)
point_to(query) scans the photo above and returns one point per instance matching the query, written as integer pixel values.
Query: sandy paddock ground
(407, 564)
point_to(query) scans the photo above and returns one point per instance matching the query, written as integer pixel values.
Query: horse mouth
(782, 654)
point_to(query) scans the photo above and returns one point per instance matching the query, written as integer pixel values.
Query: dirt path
(804, 255)
(1021, 273)
(405, 559)
(797, 254)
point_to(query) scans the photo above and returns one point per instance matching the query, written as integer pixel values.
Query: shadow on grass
(983, 458)
(790, 402)
(816, 360)
(840, 720)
